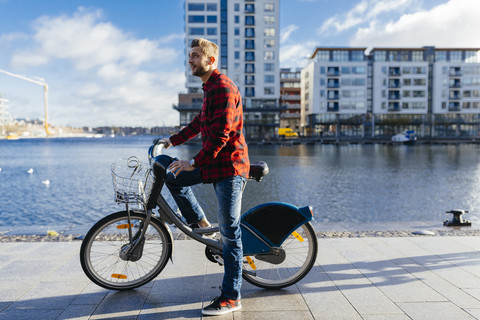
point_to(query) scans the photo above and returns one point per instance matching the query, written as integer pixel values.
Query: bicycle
(129, 248)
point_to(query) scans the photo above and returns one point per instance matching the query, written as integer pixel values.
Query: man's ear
(212, 60)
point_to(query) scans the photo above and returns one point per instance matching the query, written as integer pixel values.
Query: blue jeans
(229, 198)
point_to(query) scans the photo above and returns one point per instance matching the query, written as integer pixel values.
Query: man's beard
(200, 70)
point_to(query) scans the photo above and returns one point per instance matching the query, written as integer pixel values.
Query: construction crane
(40, 82)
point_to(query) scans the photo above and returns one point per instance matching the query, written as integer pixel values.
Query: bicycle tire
(300, 254)
(100, 249)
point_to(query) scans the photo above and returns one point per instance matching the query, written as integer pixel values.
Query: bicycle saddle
(258, 170)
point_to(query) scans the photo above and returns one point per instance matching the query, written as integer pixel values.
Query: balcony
(455, 83)
(455, 95)
(333, 83)
(393, 95)
(333, 95)
(290, 97)
(394, 83)
(394, 106)
(332, 107)
(333, 72)
(454, 106)
(455, 71)
(394, 71)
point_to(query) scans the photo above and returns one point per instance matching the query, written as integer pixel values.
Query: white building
(434, 91)
(334, 87)
(247, 34)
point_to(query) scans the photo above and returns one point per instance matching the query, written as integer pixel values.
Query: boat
(408, 137)
(12, 136)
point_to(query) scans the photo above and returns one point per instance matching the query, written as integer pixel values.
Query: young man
(223, 161)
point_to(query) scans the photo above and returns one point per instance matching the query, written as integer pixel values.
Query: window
(268, 90)
(237, 7)
(249, 92)
(269, 7)
(419, 70)
(269, 43)
(196, 7)
(250, 80)
(269, 55)
(249, 56)
(237, 31)
(268, 78)
(236, 43)
(380, 56)
(322, 55)
(212, 31)
(340, 55)
(196, 19)
(237, 19)
(211, 7)
(249, 68)
(237, 54)
(456, 56)
(358, 70)
(417, 55)
(269, 32)
(345, 70)
(358, 56)
(249, 21)
(269, 67)
(249, 32)
(249, 8)
(211, 19)
(418, 82)
(418, 94)
(249, 44)
(269, 19)
(196, 31)
(440, 55)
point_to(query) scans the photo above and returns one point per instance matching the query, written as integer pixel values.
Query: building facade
(247, 34)
(290, 95)
(430, 90)
(334, 92)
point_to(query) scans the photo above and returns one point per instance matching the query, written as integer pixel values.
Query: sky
(121, 63)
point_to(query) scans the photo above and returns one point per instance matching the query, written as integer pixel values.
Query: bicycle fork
(133, 250)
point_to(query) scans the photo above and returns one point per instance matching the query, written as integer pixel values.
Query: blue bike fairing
(274, 222)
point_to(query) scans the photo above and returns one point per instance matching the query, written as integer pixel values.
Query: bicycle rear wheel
(101, 247)
(300, 250)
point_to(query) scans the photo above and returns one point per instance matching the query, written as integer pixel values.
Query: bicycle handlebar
(155, 150)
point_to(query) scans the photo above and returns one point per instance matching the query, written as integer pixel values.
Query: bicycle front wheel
(100, 251)
(300, 249)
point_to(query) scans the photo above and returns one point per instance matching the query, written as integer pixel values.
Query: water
(356, 183)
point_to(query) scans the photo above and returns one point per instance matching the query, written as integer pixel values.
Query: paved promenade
(420, 277)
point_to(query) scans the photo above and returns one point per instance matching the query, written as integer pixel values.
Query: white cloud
(285, 33)
(365, 11)
(452, 24)
(94, 66)
(296, 55)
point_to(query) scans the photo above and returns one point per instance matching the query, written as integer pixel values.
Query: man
(223, 161)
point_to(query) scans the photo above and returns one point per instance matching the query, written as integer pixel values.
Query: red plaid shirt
(224, 151)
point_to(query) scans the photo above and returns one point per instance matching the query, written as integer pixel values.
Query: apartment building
(334, 92)
(433, 91)
(290, 94)
(247, 33)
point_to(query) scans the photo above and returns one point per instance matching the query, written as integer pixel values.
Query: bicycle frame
(264, 227)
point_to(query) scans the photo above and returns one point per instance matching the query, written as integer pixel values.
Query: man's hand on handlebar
(165, 141)
(180, 165)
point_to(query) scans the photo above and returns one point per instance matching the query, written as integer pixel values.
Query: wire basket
(132, 180)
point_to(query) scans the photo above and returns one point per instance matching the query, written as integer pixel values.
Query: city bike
(130, 248)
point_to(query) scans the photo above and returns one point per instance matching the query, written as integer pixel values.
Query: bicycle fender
(169, 233)
(272, 223)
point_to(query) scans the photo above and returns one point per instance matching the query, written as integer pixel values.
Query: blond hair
(209, 48)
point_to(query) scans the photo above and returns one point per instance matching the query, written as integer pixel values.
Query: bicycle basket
(132, 180)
